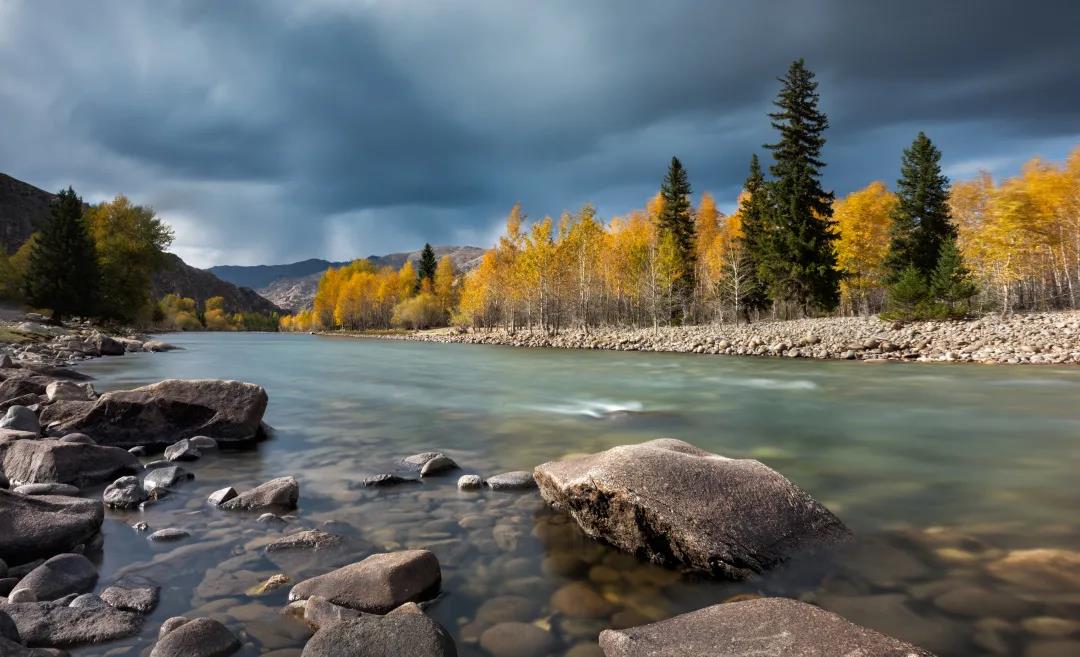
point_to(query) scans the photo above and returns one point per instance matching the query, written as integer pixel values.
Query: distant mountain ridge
(260, 276)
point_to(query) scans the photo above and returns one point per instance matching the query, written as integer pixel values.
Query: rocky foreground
(32, 341)
(1046, 338)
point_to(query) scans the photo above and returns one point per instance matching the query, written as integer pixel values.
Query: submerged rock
(43, 526)
(767, 626)
(517, 480)
(430, 463)
(678, 505)
(165, 412)
(281, 493)
(309, 539)
(514, 639)
(54, 461)
(378, 584)
(401, 632)
(199, 637)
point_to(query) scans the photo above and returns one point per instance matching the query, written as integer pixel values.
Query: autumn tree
(677, 223)
(863, 219)
(62, 271)
(444, 290)
(802, 265)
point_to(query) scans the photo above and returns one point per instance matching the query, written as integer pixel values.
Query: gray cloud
(271, 131)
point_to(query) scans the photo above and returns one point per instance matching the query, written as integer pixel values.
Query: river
(939, 469)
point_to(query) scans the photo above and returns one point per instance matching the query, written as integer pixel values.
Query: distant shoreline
(1050, 338)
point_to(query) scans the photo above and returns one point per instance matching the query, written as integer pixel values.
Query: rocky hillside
(22, 207)
(282, 285)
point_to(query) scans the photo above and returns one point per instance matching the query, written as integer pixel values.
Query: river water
(941, 471)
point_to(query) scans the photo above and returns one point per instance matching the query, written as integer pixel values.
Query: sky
(268, 132)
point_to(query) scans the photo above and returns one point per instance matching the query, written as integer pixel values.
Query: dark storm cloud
(268, 131)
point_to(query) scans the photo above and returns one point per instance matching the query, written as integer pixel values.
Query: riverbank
(1034, 338)
(31, 339)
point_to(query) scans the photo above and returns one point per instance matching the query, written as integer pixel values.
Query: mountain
(296, 292)
(260, 276)
(23, 207)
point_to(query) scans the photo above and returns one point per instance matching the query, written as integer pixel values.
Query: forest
(927, 249)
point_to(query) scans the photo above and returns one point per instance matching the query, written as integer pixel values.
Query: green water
(939, 469)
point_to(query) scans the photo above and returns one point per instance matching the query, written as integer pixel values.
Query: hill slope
(22, 208)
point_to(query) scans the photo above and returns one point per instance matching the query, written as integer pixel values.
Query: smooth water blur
(939, 469)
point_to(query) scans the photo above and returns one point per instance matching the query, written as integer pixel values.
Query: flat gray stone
(277, 494)
(59, 576)
(222, 495)
(394, 635)
(167, 477)
(470, 482)
(124, 493)
(51, 625)
(54, 461)
(182, 450)
(516, 480)
(378, 584)
(21, 418)
(43, 526)
(47, 489)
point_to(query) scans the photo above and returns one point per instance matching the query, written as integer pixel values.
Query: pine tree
(677, 222)
(755, 242)
(921, 222)
(428, 265)
(950, 282)
(62, 272)
(803, 264)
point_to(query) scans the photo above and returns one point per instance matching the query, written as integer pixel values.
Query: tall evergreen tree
(62, 272)
(803, 264)
(677, 222)
(921, 222)
(428, 265)
(755, 241)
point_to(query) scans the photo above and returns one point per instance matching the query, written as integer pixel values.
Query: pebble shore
(1035, 338)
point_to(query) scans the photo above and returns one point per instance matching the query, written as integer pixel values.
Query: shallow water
(939, 469)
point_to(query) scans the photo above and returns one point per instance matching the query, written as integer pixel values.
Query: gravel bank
(1044, 338)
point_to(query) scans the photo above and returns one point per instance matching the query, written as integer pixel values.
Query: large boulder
(55, 461)
(378, 584)
(277, 494)
(161, 414)
(37, 527)
(61, 575)
(69, 391)
(21, 418)
(407, 631)
(199, 637)
(55, 625)
(678, 505)
(106, 346)
(766, 626)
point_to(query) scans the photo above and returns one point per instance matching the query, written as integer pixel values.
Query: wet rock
(281, 493)
(53, 461)
(308, 539)
(320, 612)
(579, 601)
(979, 602)
(430, 463)
(204, 442)
(377, 584)
(171, 624)
(1051, 627)
(169, 411)
(60, 576)
(1046, 569)
(773, 626)
(124, 493)
(182, 450)
(199, 637)
(47, 489)
(106, 346)
(507, 608)
(890, 613)
(396, 634)
(69, 391)
(271, 519)
(470, 482)
(158, 345)
(679, 505)
(222, 495)
(21, 418)
(382, 479)
(44, 526)
(80, 438)
(517, 480)
(87, 600)
(169, 534)
(168, 477)
(49, 624)
(517, 640)
(272, 583)
(21, 595)
(141, 598)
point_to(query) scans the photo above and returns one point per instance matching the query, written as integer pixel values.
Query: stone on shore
(166, 477)
(37, 527)
(470, 482)
(399, 633)
(47, 489)
(163, 413)
(766, 626)
(124, 493)
(198, 637)
(61, 575)
(378, 584)
(21, 418)
(182, 450)
(54, 461)
(516, 480)
(54, 625)
(69, 391)
(282, 493)
(222, 495)
(678, 505)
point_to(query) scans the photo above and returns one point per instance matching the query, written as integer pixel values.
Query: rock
(5, 362)
(470, 482)
(204, 442)
(397, 634)
(69, 391)
(21, 418)
(517, 640)
(222, 495)
(767, 626)
(199, 637)
(308, 539)
(47, 489)
(377, 584)
(272, 583)
(60, 576)
(678, 505)
(142, 598)
(1046, 569)
(382, 479)
(182, 450)
(320, 612)
(579, 601)
(171, 624)
(517, 480)
(281, 493)
(158, 345)
(271, 518)
(79, 438)
(165, 478)
(979, 602)
(169, 534)
(1051, 627)
(87, 600)
(124, 493)
(430, 463)
(506, 608)
(44, 526)
(21, 595)
(169, 411)
(106, 346)
(53, 461)
(49, 624)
